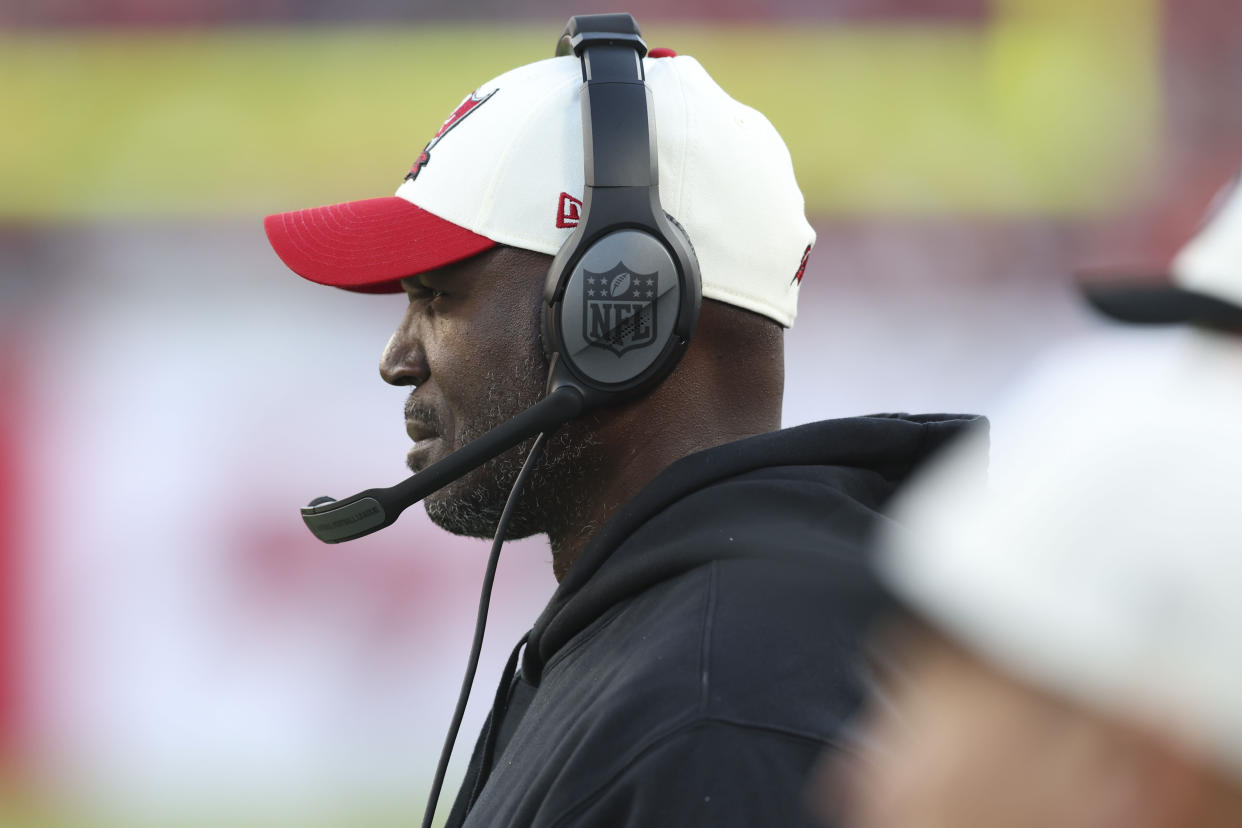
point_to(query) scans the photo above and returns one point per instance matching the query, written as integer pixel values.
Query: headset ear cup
(618, 312)
(604, 333)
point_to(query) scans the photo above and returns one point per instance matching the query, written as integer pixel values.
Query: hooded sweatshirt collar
(609, 570)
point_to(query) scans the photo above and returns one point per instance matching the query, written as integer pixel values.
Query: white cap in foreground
(1104, 560)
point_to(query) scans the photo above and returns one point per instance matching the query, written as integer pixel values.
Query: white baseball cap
(507, 168)
(1202, 285)
(1103, 561)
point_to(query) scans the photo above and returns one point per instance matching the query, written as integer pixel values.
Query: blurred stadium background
(175, 649)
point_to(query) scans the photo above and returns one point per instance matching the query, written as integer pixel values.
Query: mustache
(420, 413)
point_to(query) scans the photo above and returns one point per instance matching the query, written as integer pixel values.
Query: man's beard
(554, 494)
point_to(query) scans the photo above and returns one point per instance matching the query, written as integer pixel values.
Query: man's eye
(417, 290)
(424, 292)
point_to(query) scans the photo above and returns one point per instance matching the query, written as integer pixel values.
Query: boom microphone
(333, 521)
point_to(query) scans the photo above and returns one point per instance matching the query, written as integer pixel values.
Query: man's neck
(623, 479)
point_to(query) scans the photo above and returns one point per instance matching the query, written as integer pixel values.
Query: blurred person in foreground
(702, 647)
(1071, 653)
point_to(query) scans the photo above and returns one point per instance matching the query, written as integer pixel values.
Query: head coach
(609, 234)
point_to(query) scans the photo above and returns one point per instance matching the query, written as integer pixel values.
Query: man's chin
(474, 511)
(463, 509)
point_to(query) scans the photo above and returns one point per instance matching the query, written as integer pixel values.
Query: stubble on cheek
(471, 505)
(555, 494)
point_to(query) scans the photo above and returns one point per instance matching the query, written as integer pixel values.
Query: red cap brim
(368, 245)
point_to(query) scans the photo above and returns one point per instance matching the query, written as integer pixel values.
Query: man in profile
(701, 647)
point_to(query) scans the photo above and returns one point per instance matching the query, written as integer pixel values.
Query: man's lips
(420, 431)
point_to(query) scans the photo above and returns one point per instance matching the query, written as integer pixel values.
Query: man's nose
(404, 362)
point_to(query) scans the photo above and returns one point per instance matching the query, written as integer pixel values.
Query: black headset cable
(485, 599)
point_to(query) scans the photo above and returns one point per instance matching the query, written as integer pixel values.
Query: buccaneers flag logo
(472, 102)
(619, 309)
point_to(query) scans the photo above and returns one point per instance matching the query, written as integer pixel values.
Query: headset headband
(617, 135)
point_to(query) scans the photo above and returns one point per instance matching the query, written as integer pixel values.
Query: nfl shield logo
(619, 309)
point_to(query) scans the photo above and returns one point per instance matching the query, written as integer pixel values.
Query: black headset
(623, 293)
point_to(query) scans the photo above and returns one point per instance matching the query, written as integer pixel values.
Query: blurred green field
(1049, 108)
(364, 814)
(23, 806)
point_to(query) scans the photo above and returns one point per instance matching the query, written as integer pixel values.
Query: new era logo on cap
(568, 210)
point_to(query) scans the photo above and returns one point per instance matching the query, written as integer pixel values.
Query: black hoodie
(704, 648)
